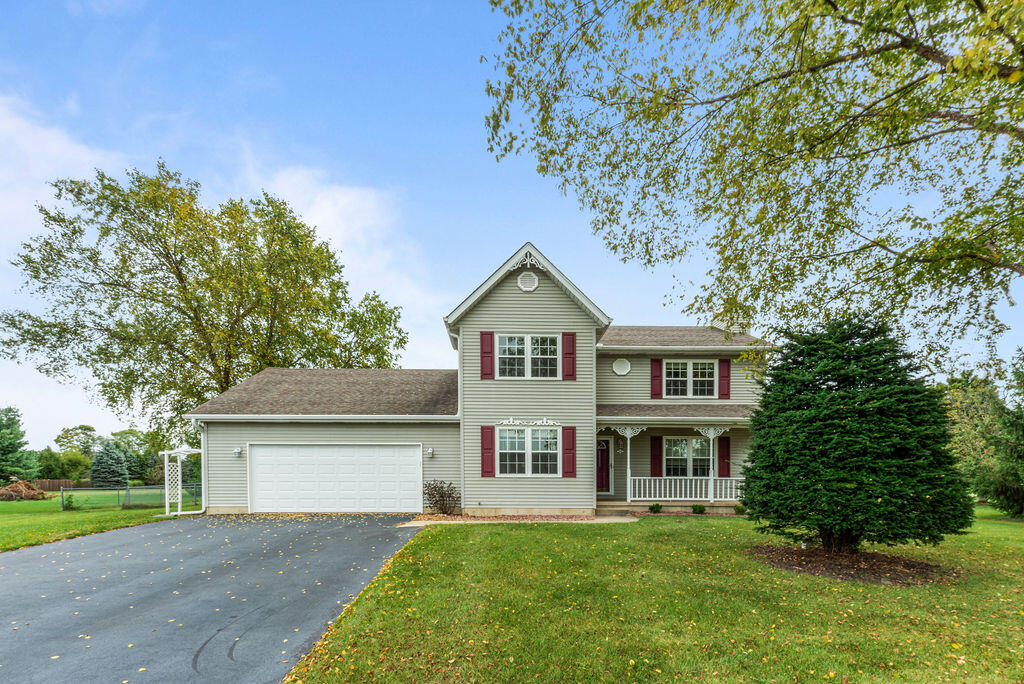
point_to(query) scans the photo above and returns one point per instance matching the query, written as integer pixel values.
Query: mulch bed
(641, 514)
(513, 518)
(22, 489)
(875, 568)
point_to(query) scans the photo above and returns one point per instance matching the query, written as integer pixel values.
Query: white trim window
(529, 356)
(685, 378)
(529, 451)
(687, 457)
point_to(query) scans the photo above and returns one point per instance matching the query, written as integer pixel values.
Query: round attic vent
(621, 366)
(528, 281)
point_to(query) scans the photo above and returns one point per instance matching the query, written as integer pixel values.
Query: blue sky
(368, 117)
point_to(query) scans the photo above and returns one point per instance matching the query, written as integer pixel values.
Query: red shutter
(487, 356)
(655, 378)
(568, 356)
(486, 451)
(568, 451)
(656, 456)
(724, 376)
(724, 458)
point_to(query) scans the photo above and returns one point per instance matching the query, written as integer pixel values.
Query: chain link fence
(152, 496)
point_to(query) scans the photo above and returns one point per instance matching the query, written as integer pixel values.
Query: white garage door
(336, 478)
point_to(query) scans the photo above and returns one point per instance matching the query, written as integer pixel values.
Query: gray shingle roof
(672, 336)
(340, 391)
(710, 410)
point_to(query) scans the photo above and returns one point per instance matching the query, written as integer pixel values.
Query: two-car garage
(335, 478)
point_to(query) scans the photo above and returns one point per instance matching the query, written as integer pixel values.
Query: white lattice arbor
(172, 477)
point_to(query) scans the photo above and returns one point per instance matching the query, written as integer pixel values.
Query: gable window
(690, 378)
(528, 356)
(687, 457)
(528, 451)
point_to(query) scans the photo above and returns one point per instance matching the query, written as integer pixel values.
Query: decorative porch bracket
(629, 432)
(712, 433)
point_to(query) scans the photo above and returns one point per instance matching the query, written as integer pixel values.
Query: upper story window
(528, 451)
(690, 378)
(528, 356)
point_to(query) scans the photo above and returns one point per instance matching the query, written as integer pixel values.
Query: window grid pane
(675, 458)
(512, 451)
(675, 378)
(544, 451)
(703, 378)
(701, 465)
(511, 356)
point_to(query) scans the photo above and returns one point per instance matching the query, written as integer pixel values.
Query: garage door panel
(336, 478)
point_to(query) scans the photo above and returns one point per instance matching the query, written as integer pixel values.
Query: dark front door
(603, 461)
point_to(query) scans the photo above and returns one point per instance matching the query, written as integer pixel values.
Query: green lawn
(27, 523)
(669, 598)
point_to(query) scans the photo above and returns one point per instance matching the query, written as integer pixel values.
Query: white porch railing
(685, 488)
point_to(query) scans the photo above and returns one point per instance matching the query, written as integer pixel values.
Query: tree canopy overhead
(829, 156)
(167, 302)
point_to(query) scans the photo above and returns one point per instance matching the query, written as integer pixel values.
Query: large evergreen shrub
(15, 463)
(109, 466)
(850, 445)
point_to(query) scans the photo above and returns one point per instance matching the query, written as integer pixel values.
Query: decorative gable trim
(528, 256)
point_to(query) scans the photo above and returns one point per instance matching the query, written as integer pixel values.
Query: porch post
(712, 434)
(629, 432)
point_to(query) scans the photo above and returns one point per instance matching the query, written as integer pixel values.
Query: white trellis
(172, 477)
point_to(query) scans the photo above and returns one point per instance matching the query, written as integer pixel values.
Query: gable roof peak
(527, 256)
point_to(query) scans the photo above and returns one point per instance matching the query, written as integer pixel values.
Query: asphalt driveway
(212, 599)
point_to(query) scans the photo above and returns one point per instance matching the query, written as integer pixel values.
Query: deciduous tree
(167, 302)
(823, 156)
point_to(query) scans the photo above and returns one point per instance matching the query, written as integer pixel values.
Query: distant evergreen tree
(14, 463)
(1003, 483)
(849, 445)
(109, 466)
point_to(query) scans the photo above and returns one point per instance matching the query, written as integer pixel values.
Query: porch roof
(733, 413)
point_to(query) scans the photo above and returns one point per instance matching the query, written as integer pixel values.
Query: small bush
(135, 483)
(739, 509)
(698, 509)
(442, 496)
(69, 502)
(654, 508)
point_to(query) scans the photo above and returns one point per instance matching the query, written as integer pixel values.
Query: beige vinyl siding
(739, 444)
(228, 479)
(635, 386)
(546, 310)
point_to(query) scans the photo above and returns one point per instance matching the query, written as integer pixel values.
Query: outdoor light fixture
(430, 452)
(238, 451)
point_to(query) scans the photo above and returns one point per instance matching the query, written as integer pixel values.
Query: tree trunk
(839, 542)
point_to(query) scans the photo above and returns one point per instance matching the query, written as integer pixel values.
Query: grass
(27, 523)
(668, 598)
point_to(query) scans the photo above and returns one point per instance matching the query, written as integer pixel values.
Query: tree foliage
(81, 438)
(826, 156)
(849, 445)
(973, 408)
(109, 466)
(1002, 484)
(14, 462)
(167, 302)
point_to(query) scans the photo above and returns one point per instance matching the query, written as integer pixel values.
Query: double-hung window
(690, 378)
(527, 356)
(687, 457)
(528, 451)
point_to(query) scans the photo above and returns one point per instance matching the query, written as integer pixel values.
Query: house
(552, 410)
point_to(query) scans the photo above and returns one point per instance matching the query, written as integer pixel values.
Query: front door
(603, 466)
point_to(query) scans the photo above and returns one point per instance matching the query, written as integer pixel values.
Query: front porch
(669, 464)
(618, 507)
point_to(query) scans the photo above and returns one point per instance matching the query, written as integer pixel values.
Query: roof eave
(639, 348)
(325, 418)
(671, 420)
